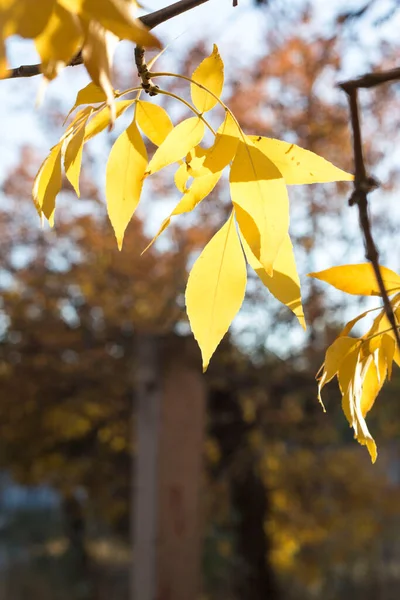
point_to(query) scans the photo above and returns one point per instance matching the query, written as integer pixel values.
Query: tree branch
(150, 21)
(363, 184)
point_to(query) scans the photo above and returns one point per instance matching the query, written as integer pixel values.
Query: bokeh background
(108, 427)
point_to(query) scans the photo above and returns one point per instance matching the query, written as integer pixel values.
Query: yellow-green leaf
(260, 197)
(216, 289)
(359, 279)
(285, 283)
(59, 41)
(154, 121)
(47, 184)
(210, 74)
(124, 178)
(298, 165)
(177, 144)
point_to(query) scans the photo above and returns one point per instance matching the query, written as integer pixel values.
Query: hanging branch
(150, 21)
(364, 184)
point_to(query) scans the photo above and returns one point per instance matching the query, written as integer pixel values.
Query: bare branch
(363, 184)
(371, 80)
(150, 21)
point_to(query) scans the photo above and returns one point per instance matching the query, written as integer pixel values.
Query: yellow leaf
(177, 144)
(225, 146)
(349, 326)
(124, 179)
(116, 16)
(334, 357)
(101, 119)
(359, 279)
(97, 53)
(181, 178)
(25, 17)
(262, 205)
(90, 94)
(351, 375)
(73, 148)
(216, 289)
(297, 165)
(210, 74)
(285, 283)
(388, 350)
(154, 121)
(59, 41)
(47, 184)
(200, 188)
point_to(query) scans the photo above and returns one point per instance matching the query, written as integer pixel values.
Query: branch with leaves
(259, 169)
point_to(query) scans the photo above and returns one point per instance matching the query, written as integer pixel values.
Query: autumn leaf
(72, 150)
(59, 41)
(359, 279)
(90, 94)
(177, 144)
(101, 119)
(285, 283)
(47, 184)
(260, 197)
(210, 74)
(154, 121)
(97, 53)
(297, 165)
(124, 178)
(216, 289)
(351, 377)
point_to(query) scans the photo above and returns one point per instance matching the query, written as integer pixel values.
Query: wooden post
(145, 472)
(170, 428)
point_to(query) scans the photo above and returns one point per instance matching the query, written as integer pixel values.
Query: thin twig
(363, 184)
(150, 21)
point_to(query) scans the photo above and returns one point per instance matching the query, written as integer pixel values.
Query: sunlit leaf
(101, 119)
(181, 178)
(262, 206)
(285, 283)
(154, 121)
(177, 144)
(90, 94)
(216, 289)
(124, 178)
(116, 16)
(25, 17)
(359, 279)
(210, 74)
(97, 53)
(48, 184)
(59, 41)
(73, 148)
(298, 165)
(350, 376)
(200, 188)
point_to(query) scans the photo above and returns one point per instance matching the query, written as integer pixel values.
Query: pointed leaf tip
(215, 289)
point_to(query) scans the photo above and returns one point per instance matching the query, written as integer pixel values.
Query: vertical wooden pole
(145, 472)
(170, 409)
